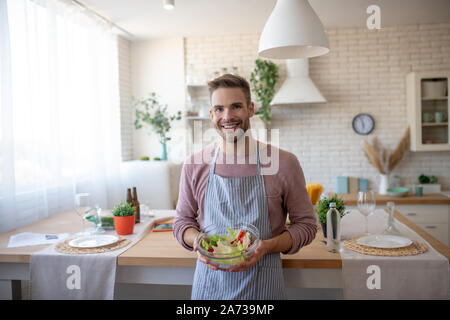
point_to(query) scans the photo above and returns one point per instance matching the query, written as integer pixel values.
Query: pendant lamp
(293, 31)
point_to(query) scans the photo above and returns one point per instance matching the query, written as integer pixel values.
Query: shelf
(197, 85)
(434, 98)
(430, 145)
(197, 118)
(434, 124)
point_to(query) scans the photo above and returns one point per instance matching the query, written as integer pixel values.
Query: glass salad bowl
(227, 247)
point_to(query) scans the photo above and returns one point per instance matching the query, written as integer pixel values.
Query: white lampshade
(292, 31)
(169, 4)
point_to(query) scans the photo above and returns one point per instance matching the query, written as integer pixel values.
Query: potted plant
(263, 80)
(429, 184)
(322, 207)
(124, 218)
(156, 116)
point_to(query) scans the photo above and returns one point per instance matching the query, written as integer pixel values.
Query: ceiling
(146, 19)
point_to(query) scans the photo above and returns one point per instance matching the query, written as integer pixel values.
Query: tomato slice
(241, 236)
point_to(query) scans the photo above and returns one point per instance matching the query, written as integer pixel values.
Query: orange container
(314, 192)
(124, 225)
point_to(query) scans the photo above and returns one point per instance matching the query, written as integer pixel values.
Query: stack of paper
(34, 239)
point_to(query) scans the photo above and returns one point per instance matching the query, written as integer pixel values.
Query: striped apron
(230, 201)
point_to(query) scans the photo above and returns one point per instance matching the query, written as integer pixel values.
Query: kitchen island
(430, 212)
(158, 259)
(427, 199)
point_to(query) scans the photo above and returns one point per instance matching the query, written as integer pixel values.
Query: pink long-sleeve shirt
(285, 192)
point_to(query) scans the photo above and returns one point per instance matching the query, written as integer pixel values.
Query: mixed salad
(232, 244)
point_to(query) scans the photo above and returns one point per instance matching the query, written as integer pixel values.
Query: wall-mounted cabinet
(197, 111)
(197, 102)
(428, 109)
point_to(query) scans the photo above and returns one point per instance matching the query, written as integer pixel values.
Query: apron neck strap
(258, 162)
(213, 164)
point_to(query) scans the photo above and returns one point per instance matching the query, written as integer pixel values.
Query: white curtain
(59, 110)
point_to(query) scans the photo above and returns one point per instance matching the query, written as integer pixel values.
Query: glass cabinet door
(434, 110)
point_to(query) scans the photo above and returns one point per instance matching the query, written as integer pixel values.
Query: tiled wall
(126, 121)
(364, 72)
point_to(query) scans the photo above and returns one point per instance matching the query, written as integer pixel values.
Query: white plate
(384, 241)
(94, 241)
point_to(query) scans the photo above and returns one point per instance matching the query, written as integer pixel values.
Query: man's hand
(260, 251)
(280, 243)
(189, 236)
(204, 260)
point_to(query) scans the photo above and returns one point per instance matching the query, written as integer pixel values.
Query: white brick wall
(126, 120)
(364, 72)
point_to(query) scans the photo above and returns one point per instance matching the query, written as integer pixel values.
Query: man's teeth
(229, 127)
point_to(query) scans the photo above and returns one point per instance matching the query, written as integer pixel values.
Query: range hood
(298, 87)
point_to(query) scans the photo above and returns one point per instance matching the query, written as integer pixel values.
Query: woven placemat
(413, 249)
(64, 247)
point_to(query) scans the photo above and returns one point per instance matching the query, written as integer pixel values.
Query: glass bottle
(333, 229)
(391, 229)
(129, 197)
(137, 207)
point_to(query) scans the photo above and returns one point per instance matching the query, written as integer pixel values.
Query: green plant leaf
(263, 79)
(323, 205)
(123, 210)
(158, 121)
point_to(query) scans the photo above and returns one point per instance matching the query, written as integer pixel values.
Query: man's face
(230, 113)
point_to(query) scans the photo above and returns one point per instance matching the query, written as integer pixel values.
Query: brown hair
(230, 81)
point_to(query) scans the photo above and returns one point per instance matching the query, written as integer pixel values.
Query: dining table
(157, 258)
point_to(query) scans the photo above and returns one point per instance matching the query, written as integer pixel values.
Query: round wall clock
(363, 123)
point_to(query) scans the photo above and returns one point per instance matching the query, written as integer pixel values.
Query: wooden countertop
(161, 249)
(435, 198)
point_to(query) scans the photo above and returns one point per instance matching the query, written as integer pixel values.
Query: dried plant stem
(399, 151)
(372, 156)
(381, 158)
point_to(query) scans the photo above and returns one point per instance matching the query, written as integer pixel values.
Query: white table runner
(59, 276)
(423, 276)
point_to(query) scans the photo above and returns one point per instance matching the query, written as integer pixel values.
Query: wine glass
(83, 208)
(366, 205)
(145, 210)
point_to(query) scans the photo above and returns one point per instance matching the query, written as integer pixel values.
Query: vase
(163, 151)
(384, 184)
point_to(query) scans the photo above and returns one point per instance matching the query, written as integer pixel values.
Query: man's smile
(230, 126)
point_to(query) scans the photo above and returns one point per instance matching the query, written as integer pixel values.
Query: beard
(232, 136)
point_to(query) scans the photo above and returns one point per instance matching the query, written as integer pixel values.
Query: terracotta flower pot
(124, 225)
